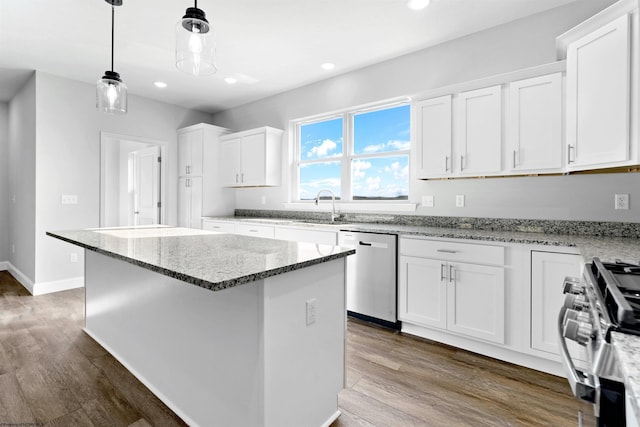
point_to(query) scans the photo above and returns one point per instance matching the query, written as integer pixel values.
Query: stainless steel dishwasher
(372, 276)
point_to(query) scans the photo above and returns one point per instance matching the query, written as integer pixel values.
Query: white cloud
(323, 149)
(373, 183)
(359, 167)
(392, 145)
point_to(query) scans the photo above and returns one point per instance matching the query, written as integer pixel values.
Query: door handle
(452, 273)
(237, 178)
(514, 159)
(569, 148)
(461, 163)
(446, 163)
(442, 272)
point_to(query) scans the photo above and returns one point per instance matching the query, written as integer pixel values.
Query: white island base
(243, 356)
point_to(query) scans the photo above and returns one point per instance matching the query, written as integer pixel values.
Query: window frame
(347, 156)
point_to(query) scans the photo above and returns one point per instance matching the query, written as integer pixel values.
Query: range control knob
(579, 316)
(576, 302)
(572, 285)
(579, 332)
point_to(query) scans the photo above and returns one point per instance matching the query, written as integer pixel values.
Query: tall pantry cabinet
(200, 192)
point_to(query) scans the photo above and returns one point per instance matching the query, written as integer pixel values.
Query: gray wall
(4, 181)
(22, 179)
(521, 44)
(54, 144)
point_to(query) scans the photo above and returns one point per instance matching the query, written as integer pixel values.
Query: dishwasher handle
(361, 243)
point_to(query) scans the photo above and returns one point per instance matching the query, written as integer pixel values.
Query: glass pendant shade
(111, 94)
(195, 50)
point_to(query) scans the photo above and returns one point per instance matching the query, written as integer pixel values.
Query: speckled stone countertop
(207, 259)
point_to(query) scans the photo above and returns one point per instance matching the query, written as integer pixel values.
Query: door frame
(110, 138)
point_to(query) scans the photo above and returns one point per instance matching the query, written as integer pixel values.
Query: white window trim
(346, 159)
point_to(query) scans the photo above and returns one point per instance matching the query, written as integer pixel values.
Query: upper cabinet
(190, 143)
(602, 89)
(433, 148)
(251, 158)
(534, 125)
(480, 131)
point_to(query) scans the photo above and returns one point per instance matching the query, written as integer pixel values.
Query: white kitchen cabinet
(219, 226)
(479, 132)
(198, 155)
(251, 158)
(535, 143)
(433, 146)
(189, 202)
(599, 94)
(548, 270)
(190, 154)
(461, 297)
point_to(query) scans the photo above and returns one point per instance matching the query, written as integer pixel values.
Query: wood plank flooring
(53, 374)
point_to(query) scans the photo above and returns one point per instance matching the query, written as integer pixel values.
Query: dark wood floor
(53, 374)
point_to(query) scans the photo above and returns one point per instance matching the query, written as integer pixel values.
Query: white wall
(22, 179)
(521, 44)
(4, 181)
(67, 161)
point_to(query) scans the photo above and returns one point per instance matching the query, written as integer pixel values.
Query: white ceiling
(269, 45)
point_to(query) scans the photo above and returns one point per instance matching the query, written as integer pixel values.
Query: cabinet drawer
(220, 226)
(453, 251)
(255, 230)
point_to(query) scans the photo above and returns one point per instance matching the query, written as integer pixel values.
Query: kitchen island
(226, 330)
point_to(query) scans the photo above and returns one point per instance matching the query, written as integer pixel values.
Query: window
(361, 155)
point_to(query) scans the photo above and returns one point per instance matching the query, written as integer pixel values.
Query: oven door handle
(579, 382)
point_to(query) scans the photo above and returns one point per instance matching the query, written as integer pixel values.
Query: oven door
(582, 385)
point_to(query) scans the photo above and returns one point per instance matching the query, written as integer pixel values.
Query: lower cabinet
(461, 297)
(321, 237)
(190, 202)
(548, 270)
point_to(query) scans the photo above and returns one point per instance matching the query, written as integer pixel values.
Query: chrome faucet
(333, 202)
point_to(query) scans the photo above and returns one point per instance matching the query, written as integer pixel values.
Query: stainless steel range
(606, 299)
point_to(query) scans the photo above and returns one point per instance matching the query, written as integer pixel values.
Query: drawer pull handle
(452, 273)
(447, 251)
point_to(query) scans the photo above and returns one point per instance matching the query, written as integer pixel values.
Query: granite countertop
(627, 350)
(207, 259)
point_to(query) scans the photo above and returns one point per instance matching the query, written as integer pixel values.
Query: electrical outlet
(622, 202)
(460, 201)
(311, 311)
(263, 200)
(427, 201)
(73, 257)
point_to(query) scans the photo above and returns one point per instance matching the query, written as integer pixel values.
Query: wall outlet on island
(263, 200)
(311, 311)
(460, 201)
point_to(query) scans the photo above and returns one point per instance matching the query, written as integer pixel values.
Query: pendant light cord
(113, 13)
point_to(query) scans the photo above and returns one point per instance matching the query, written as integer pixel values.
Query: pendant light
(111, 92)
(195, 50)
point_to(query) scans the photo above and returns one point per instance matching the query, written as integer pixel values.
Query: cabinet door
(535, 124)
(253, 160)
(433, 137)
(184, 153)
(184, 202)
(548, 270)
(230, 162)
(475, 301)
(598, 91)
(422, 292)
(196, 142)
(195, 217)
(480, 131)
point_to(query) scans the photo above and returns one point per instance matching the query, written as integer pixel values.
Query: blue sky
(374, 132)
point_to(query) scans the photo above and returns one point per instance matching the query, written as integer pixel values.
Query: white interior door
(145, 188)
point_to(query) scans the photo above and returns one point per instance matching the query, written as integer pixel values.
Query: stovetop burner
(619, 287)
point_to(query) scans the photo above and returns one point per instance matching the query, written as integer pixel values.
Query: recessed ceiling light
(418, 4)
(231, 80)
(161, 85)
(328, 66)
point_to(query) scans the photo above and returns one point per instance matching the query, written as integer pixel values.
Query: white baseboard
(43, 287)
